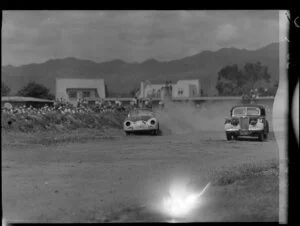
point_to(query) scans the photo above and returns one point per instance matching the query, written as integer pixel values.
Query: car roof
(249, 105)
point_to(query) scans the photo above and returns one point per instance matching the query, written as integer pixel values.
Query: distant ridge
(122, 77)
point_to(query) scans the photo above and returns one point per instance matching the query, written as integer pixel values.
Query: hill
(122, 77)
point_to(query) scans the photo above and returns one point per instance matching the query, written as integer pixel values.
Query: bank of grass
(241, 172)
(55, 121)
(245, 193)
(53, 128)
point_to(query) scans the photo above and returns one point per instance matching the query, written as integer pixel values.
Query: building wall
(186, 88)
(80, 85)
(183, 88)
(153, 90)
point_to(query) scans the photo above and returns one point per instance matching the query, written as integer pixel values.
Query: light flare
(181, 202)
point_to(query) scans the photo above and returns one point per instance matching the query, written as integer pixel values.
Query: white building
(183, 88)
(74, 89)
(148, 90)
(186, 88)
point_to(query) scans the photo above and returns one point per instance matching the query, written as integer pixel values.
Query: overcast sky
(37, 36)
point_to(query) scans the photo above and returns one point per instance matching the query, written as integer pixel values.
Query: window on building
(180, 92)
(194, 92)
(72, 94)
(86, 94)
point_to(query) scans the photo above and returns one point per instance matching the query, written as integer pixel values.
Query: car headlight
(227, 120)
(253, 122)
(127, 123)
(152, 122)
(260, 120)
(234, 122)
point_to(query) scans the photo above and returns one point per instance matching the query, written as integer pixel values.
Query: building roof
(24, 99)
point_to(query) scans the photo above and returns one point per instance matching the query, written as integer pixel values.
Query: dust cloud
(179, 118)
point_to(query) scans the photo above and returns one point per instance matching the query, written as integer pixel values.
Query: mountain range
(122, 77)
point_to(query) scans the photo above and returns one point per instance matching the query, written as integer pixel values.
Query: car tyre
(127, 133)
(228, 136)
(261, 137)
(156, 132)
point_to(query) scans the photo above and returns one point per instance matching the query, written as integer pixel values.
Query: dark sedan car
(247, 120)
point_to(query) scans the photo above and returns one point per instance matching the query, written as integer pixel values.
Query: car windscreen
(137, 114)
(239, 111)
(253, 111)
(246, 111)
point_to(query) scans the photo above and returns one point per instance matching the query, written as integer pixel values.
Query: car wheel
(265, 136)
(228, 137)
(127, 133)
(156, 132)
(235, 137)
(261, 137)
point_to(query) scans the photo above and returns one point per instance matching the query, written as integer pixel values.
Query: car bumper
(140, 129)
(244, 133)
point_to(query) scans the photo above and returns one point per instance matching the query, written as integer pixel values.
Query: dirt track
(83, 182)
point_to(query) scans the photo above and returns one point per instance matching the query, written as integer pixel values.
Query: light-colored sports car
(141, 121)
(247, 120)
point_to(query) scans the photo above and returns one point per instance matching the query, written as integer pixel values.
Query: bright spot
(4, 223)
(181, 201)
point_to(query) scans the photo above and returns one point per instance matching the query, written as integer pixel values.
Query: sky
(132, 36)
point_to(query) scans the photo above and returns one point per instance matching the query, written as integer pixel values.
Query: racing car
(141, 121)
(247, 120)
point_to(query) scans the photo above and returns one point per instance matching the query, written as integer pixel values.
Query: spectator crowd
(63, 107)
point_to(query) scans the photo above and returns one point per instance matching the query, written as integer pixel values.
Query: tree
(255, 72)
(230, 80)
(133, 92)
(235, 81)
(273, 90)
(276, 84)
(5, 90)
(33, 89)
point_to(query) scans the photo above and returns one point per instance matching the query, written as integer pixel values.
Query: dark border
(293, 74)
(292, 144)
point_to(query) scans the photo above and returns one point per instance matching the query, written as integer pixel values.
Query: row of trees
(32, 89)
(235, 81)
(232, 81)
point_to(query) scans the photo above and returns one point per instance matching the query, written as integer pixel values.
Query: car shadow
(143, 134)
(255, 139)
(251, 139)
